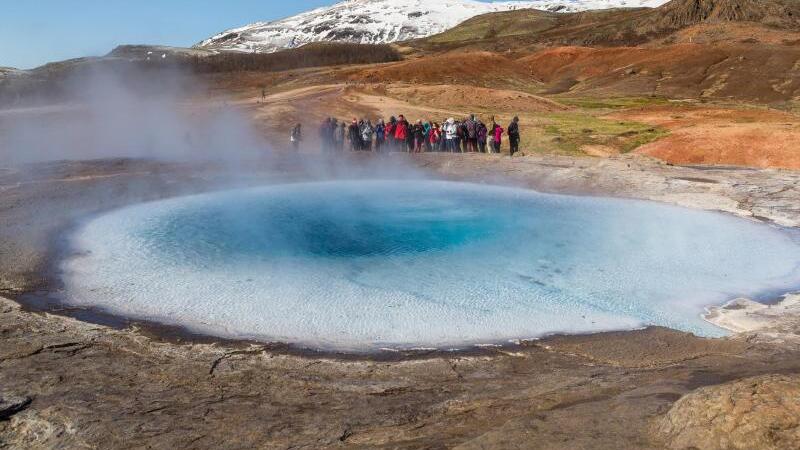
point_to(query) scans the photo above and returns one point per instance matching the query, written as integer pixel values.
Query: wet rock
(753, 413)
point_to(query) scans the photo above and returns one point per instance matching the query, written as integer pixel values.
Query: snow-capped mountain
(383, 21)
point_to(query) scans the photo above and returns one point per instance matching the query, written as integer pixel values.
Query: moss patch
(567, 133)
(613, 103)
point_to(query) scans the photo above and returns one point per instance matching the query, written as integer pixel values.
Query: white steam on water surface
(363, 265)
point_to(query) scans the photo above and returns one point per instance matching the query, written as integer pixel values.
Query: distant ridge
(621, 27)
(383, 21)
(682, 13)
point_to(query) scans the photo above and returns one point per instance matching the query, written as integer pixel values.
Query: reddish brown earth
(742, 137)
(756, 73)
(741, 32)
(459, 67)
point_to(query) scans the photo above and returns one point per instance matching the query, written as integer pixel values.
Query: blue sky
(34, 32)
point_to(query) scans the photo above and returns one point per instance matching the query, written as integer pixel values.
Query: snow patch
(383, 21)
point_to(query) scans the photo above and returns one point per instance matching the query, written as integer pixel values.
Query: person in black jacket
(354, 134)
(513, 135)
(481, 133)
(324, 133)
(338, 136)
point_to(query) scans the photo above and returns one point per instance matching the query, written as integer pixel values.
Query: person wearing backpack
(459, 136)
(513, 135)
(410, 138)
(426, 139)
(471, 133)
(481, 132)
(366, 135)
(389, 130)
(450, 135)
(380, 135)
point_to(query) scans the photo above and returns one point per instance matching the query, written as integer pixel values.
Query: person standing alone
(296, 137)
(513, 135)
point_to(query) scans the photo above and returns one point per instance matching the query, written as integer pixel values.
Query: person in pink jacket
(497, 132)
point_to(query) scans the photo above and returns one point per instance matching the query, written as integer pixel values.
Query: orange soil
(476, 68)
(466, 98)
(763, 73)
(581, 63)
(732, 32)
(755, 138)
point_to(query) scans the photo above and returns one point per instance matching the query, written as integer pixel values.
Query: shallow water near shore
(357, 266)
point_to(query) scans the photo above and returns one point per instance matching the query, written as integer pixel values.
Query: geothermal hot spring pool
(358, 266)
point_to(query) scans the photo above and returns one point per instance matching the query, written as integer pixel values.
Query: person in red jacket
(435, 136)
(401, 130)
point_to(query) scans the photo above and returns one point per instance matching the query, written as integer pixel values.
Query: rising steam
(135, 113)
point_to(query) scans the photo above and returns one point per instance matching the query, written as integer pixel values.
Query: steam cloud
(133, 113)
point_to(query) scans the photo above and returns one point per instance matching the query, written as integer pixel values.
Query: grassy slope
(497, 26)
(575, 132)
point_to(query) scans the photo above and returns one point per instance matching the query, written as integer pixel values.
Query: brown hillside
(473, 68)
(525, 29)
(760, 73)
(682, 13)
(470, 98)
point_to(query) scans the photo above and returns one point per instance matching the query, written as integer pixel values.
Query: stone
(753, 413)
(11, 404)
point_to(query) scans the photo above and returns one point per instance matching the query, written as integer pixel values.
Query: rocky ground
(66, 383)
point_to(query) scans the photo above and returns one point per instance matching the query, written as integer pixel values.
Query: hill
(515, 30)
(140, 65)
(382, 21)
(682, 13)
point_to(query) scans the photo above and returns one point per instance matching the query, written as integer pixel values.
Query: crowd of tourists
(398, 134)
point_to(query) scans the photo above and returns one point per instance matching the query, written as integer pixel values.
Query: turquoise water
(370, 264)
